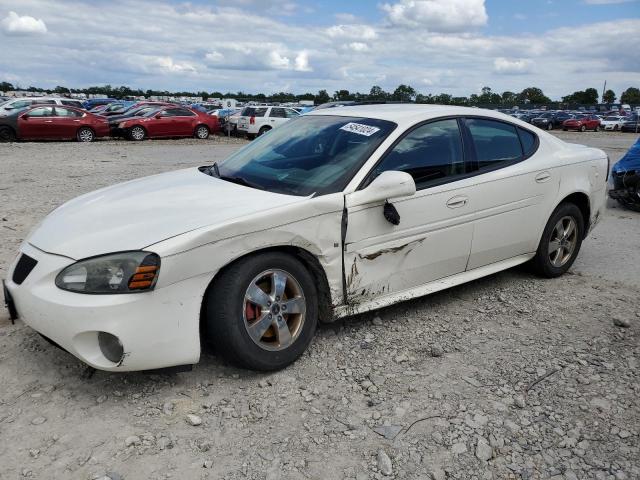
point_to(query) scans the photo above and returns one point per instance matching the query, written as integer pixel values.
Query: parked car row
(54, 120)
(580, 121)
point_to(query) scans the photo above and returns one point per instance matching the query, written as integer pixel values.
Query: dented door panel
(431, 242)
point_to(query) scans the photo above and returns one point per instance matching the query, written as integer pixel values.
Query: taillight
(252, 120)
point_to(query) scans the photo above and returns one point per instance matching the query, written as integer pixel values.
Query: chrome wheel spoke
(279, 282)
(294, 305)
(257, 296)
(554, 245)
(571, 228)
(282, 332)
(260, 326)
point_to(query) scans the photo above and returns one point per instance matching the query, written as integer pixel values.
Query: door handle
(543, 177)
(48, 121)
(457, 202)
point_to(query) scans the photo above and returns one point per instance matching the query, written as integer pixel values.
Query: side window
(496, 143)
(72, 103)
(431, 154)
(67, 112)
(291, 113)
(21, 103)
(182, 112)
(46, 102)
(277, 113)
(41, 112)
(528, 141)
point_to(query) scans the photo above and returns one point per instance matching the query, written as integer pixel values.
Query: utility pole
(604, 89)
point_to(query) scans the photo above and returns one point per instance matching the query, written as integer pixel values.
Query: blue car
(94, 102)
(625, 179)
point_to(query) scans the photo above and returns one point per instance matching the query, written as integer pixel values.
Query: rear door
(66, 122)
(182, 122)
(36, 123)
(513, 189)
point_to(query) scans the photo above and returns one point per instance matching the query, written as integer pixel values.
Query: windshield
(611, 118)
(308, 155)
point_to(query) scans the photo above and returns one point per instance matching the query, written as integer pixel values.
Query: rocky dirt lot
(510, 376)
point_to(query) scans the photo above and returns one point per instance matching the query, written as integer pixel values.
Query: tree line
(403, 93)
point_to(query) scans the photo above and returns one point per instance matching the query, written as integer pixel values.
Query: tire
(583, 128)
(7, 134)
(549, 126)
(85, 135)
(564, 129)
(230, 315)
(550, 262)
(597, 129)
(263, 130)
(615, 128)
(201, 132)
(632, 203)
(137, 133)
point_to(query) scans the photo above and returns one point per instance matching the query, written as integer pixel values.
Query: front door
(36, 123)
(433, 238)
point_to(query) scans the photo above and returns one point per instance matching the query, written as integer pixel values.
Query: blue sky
(450, 46)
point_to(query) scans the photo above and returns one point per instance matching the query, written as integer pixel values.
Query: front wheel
(550, 126)
(137, 133)
(560, 242)
(262, 312)
(202, 132)
(597, 129)
(85, 135)
(583, 128)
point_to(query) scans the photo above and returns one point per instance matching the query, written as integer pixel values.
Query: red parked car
(582, 123)
(53, 122)
(170, 122)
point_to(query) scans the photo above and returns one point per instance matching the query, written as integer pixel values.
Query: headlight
(125, 272)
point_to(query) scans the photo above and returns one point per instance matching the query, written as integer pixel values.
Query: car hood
(631, 160)
(139, 213)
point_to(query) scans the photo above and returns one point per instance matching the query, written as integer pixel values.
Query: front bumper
(157, 329)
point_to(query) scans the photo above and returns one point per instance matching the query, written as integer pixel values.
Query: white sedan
(339, 212)
(612, 122)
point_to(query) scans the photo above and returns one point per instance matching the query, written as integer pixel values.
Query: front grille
(23, 268)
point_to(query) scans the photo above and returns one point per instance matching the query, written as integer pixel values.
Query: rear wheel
(202, 132)
(263, 130)
(564, 129)
(7, 134)
(549, 126)
(262, 312)
(597, 129)
(560, 242)
(137, 133)
(85, 135)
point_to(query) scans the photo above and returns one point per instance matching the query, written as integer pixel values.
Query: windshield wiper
(240, 181)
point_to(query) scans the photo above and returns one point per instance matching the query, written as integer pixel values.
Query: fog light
(110, 346)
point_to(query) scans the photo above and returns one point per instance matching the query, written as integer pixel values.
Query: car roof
(405, 113)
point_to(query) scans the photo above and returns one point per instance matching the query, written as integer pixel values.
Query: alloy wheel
(85, 135)
(563, 241)
(274, 310)
(202, 132)
(137, 133)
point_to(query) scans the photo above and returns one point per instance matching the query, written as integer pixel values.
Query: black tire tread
(228, 336)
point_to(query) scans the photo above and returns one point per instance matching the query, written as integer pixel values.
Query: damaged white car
(338, 212)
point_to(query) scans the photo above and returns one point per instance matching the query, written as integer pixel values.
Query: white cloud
(438, 15)
(14, 24)
(355, 32)
(302, 62)
(358, 46)
(512, 67)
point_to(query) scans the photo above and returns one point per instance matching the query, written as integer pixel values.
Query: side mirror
(25, 116)
(386, 186)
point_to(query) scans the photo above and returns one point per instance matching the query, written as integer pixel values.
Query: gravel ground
(510, 376)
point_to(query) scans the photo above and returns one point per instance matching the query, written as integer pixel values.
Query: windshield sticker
(360, 129)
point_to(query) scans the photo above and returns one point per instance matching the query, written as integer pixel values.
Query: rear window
(254, 111)
(528, 141)
(496, 143)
